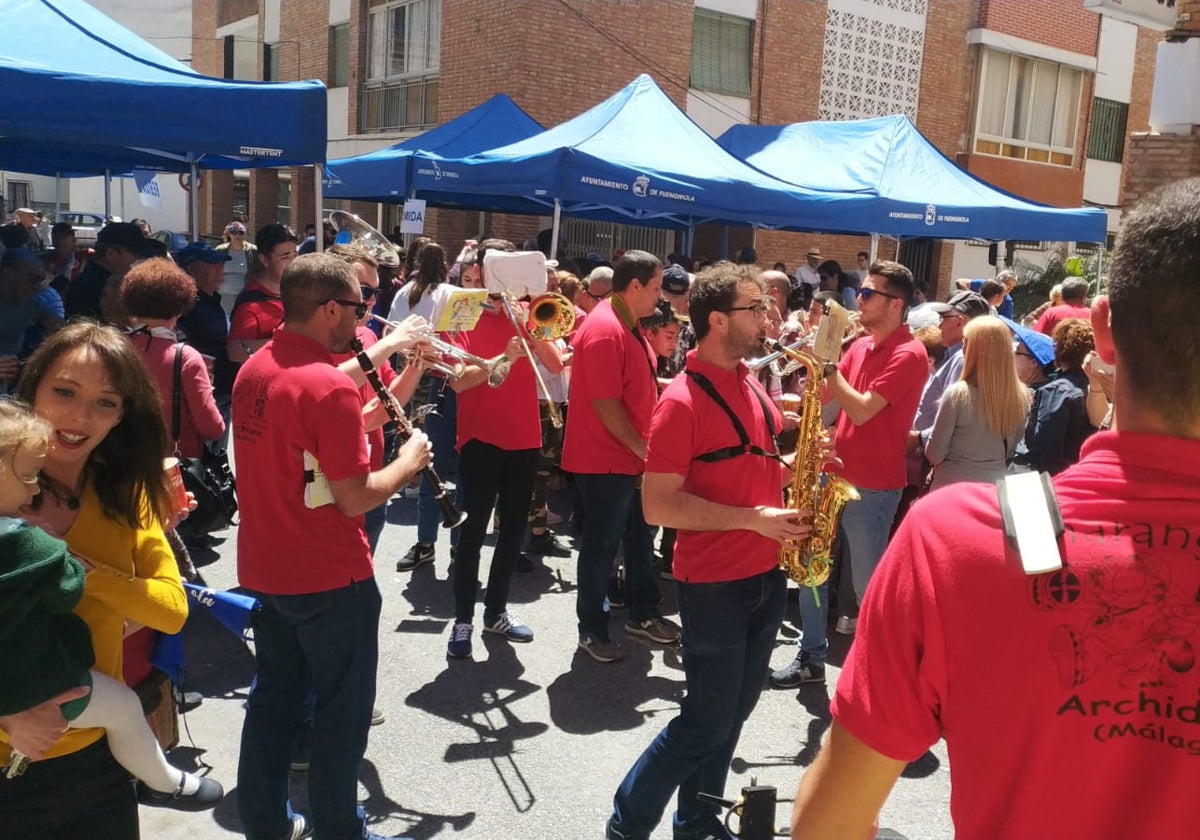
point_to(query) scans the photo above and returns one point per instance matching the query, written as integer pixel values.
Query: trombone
(550, 317)
(497, 368)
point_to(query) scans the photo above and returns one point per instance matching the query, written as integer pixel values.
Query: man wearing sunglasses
(596, 287)
(877, 384)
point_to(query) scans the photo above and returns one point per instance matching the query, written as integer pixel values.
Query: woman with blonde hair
(981, 417)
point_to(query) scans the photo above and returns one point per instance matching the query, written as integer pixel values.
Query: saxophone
(808, 562)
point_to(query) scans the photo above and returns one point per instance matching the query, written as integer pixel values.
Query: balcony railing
(391, 106)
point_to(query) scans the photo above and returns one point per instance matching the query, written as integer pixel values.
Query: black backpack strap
(176, 377)
(744, 447)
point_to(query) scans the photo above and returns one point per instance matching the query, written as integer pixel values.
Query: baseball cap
(201, 251)
(969, 304)
(675, 280)
(26, 211)
(125, 235)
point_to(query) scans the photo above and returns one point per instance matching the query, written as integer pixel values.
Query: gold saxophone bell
(551, 316)
(362, 235)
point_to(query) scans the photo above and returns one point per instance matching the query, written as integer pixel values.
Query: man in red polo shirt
(613, 392)
(258, 309)
(712, 472)
(304, 483)
(1074, 305)
(1068, 697)
(499, 438)
(878, 385)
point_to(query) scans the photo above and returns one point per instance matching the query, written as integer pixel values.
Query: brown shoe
(600, 650)
(658, 630)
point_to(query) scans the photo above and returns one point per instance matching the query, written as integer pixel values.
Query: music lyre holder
(755, 811)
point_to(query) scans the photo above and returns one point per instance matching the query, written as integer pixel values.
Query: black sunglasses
(867, 294)
(369, 292)
(361, 308)
(597, 297)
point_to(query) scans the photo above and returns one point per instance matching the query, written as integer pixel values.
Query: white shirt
(806, 275)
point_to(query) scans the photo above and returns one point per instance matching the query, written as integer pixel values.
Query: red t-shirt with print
(508, 417)
(289, 400)
(1069, 701)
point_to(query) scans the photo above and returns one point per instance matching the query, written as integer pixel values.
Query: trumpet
(772, 359)
(497, 368)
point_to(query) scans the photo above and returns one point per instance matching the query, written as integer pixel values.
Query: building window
(1107, 140)
(721, 53)
(20, 194)
(1028, 109)
(403, 58)
(270, 63)
(339, 55)
(872, 57)
(283, 209)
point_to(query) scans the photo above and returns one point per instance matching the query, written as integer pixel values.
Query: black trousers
(491, 478)
(85, 795)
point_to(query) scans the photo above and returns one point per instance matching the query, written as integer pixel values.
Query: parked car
(86, 225)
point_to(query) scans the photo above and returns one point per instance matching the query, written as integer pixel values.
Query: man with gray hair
(596, 287)
(1074, 305)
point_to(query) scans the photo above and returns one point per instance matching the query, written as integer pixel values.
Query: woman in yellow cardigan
(102, 484)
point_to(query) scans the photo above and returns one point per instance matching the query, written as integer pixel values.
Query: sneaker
(599, 649)
(710, 828)
(846, 625)
(459, 645)
(655, 629)
(377, 716)
(616, 592)
(547, 544)
(798, 672)
(611, 832)
(508, 626)
(301, 829)
(418, 555)
(300, 759)
(524, 565)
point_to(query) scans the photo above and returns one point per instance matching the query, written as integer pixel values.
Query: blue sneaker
(508, 626)
(709, 828)
(459, 645)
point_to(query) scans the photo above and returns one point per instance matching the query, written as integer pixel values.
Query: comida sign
(413, 220)
(1152, 14)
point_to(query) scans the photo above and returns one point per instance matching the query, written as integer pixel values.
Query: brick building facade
(798, 60)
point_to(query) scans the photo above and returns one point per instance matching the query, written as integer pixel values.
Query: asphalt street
(523, 741)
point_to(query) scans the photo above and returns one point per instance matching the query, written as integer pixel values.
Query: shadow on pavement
(602, 697)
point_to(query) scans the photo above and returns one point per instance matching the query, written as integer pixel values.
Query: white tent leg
(57, 195)
(318, 200)
(107, 194)
(194, 201)
(874, 246)
(553, 255)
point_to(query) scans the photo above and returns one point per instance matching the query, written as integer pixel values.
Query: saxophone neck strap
(744, 447)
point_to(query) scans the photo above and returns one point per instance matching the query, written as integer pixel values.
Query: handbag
(208, 477)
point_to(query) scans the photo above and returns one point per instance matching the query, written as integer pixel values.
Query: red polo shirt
(289, 400)
(688, 423)
(508, 417)
(896, 369)
(611, 362)
(256, 319)
(367, 393)
(1056, 314)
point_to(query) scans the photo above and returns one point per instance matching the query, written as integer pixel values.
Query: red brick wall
(1064, 24)
(795, 44)
(1058, 185)
(1152, 160)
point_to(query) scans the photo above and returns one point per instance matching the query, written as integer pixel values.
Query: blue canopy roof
(636, 157)
(386, 174)
(80, 93)
(918, 190)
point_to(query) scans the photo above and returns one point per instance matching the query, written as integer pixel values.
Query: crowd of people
(648, 414)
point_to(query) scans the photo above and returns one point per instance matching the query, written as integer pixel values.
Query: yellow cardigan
(134, 576)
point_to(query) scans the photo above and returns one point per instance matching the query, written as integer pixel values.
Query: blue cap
(1040, 346)
(200, 251)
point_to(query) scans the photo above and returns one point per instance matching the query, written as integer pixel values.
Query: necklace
(60, 491)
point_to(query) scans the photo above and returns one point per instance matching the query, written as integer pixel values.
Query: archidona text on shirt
(1158, 719)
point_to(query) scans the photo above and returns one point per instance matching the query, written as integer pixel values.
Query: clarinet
(452, 517)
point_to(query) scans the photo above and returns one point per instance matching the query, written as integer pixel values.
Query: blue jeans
(729, 631)
(864, 527)
(614, 514)
(441, 429)
(373, 522)
(329, 641)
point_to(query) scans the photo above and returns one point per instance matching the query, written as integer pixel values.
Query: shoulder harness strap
(744, 447)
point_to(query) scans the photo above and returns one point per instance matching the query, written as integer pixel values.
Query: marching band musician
(499, 439)
(725, 497)
(305, 482)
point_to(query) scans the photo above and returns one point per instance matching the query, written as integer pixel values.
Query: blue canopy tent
(81, 94)
(386, 175)
(916, 190)
(634, 158)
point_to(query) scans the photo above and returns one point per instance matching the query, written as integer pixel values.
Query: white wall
(738, 8)
(715, 113)
(167, 24)
(87, 194)
(1102, 182)
(971, 261)
(1114, 60)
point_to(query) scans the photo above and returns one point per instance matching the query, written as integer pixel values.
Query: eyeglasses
(867, 294)
(759, 309)
(944, 315)
(360, 307)
(597, 297)
(237, 233)
(369, 292)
